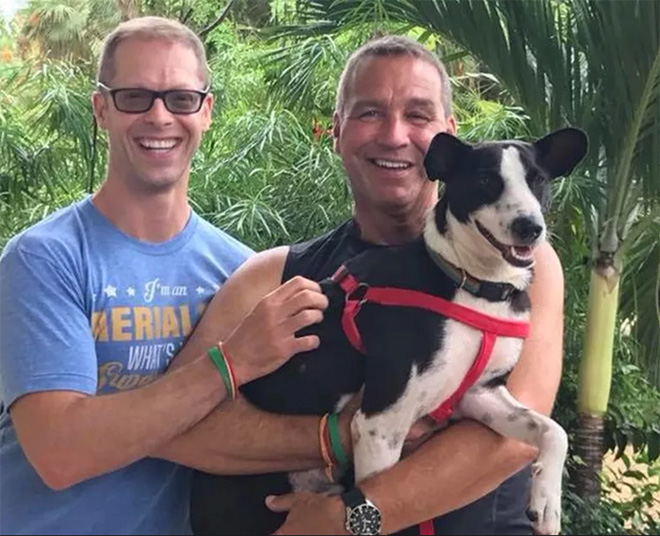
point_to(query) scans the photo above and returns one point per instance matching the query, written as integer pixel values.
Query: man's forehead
(403, 78)
(148, 61)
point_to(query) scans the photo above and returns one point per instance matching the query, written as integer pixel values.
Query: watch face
(364, 519)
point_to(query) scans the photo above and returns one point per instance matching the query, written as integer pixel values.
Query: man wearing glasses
(96, 300)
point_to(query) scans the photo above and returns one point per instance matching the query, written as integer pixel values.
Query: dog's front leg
(378, 440)
(500, 411)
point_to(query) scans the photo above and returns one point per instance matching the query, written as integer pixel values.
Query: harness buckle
(358, 294)
(339, 274)
(463, 279)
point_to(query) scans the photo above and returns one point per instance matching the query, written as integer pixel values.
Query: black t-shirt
(501, 512)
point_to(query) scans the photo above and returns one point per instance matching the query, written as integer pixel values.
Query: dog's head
(497, 191)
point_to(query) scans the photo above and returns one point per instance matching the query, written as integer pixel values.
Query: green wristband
(335, 440)
(219, 362)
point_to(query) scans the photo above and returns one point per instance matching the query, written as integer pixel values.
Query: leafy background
(266, 173)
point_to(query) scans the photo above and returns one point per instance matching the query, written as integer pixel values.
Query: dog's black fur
(397, 339)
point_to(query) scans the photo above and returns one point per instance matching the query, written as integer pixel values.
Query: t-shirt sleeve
(46, 342)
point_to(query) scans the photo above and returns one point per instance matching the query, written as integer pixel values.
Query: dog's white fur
(378, 439)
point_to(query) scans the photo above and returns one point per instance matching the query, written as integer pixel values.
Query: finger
(417, 431)
(304, 299)
(280, 503)
(291, 287)
(304, 344)
(304, 318)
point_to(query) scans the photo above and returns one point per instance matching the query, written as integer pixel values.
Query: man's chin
(159, 183)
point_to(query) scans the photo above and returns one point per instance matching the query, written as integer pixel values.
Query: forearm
(89, 436)
(422, 487)
(239, 438)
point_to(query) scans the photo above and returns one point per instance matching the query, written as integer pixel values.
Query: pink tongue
(523, 251)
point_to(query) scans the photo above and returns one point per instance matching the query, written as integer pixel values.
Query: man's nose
(393, 132)
(158, 113)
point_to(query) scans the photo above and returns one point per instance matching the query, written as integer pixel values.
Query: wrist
(337, 512)
(221, 359)
(243, 373)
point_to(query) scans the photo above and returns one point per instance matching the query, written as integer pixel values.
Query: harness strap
(359, 293)
(426, 528)
(444, 411)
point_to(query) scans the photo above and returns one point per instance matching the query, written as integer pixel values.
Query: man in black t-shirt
(393, 97)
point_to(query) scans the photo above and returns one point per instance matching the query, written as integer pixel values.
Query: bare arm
(419, 487)
(70, 437)
(266, 441)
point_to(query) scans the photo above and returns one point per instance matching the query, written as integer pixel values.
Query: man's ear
(444, 156)
(100, 108)
(336, 131)
(207, 110)
(559, 152)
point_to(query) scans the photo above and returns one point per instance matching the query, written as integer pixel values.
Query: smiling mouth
(519, 256)
(158, 146)
(385, 163)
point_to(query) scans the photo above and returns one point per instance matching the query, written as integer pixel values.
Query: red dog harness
(357, 294)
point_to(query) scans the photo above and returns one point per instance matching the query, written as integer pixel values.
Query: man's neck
(148, 216)
(390, 230)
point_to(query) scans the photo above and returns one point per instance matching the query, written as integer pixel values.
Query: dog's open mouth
(520, 256)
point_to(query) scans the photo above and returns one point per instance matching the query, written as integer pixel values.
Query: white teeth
(522, 255)
(157, 144)
(390, 164)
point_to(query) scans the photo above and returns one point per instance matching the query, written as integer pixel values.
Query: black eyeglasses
(139, 100)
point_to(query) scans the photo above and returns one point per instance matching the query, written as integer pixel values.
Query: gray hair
(148, 28)
(392, 45)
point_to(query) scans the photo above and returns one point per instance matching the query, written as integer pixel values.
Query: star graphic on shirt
(130, 291)
(200, 290)
(216, 287)
(110, 291)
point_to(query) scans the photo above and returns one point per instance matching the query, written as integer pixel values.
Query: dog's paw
(545, 505)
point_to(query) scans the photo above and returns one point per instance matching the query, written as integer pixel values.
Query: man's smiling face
(152, 150)
(393, 109)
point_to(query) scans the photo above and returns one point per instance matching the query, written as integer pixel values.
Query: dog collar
(481, 289)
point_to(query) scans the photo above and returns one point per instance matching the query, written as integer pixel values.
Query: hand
(309, 513)
(265, 339)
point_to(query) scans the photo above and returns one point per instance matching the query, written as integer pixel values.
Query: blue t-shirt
(86, 308)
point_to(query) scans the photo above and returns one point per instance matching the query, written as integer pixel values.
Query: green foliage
(266, 173)
(632, 422)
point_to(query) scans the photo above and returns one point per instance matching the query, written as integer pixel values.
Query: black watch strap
(353, 497)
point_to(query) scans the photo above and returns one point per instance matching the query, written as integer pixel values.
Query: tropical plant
(66, 29)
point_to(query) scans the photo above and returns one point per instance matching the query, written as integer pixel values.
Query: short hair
(149, 28)
(392, 45)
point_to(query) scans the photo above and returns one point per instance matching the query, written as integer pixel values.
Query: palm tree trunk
(595, 376)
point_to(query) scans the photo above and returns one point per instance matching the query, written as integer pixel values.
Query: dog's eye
(483, 179)
(535, 179)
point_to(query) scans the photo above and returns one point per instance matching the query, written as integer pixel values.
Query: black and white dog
(476, 253)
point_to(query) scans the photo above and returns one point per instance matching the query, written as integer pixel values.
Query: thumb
(280, 503)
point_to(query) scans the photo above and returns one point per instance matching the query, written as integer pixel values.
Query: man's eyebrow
(367, 103)
(421, 103)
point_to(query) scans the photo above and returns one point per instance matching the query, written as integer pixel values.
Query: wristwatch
(362, 516)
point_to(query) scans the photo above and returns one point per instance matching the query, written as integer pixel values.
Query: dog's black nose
(526, 229)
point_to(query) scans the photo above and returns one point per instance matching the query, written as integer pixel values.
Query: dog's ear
(444, 155)
(559, 152)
